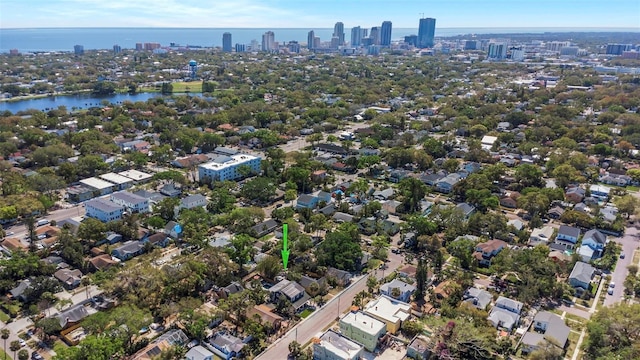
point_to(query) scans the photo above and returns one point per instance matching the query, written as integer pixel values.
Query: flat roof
(96, 183)
(340, 345)
(363, 322)
(135, 175)
(223, 162)
(115, 178)
(128, 197)
(388, 309)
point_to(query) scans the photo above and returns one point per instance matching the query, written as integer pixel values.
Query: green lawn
(306, 313)
(4, 355)
(191, 86)
(4, 317)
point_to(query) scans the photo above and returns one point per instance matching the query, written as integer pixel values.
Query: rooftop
(103, 205)
(388, 309)
(135, 175)
(339, 345)
(223, 161)
(96, 183)
(128, 197)
(363, 322)
(115, 178)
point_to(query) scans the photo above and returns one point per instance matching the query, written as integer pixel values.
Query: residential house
(581, 275)
(79, 193)
(334, 346)
(390, 311)
(306, 201)
(506, 313)
(189, 161)
(398, 174)
(128, 250)
(73, 315)
(332, 149)
(309, 283)
(555, 212)
(478, 298)
(404, 290)
(541, 235)
(575, 194)
(264, 228)
(18, 291)
(567, 236)
(14, 244)
(342, 278)
(508, 202)
(266, 315)
(70, 279)
(547, 327)
(121, 182)
(100, 187)
(385, 194)
(172, 230)
(103, 210)
(233, 288)
(112, 238)
(615, 179)
(102, 262)
(225, 345)
(431, 179)
(391, 206)
(488, 250)
(293, 291)
(446, 184)
(593, 243)
(341, 217)
(157, 239)
(131, 202)
(319, 176)
(600, 192)
(362, 329)
(166, 341)
(170, 190)
(488, 141)
(193, 201)
(466, 209)
(419, 348)
(199, 353)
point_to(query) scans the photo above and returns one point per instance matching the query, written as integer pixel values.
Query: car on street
(621, 255)
(610, 291)
(612, 285)
(22, 343)
(10, 233)
(36, 356)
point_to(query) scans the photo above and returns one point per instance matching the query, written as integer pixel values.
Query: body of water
(63, 39)
(71, 102)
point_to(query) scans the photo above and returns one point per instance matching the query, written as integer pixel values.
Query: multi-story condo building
(426, 32)
(226, 42)
(385, 33)
(226, 167)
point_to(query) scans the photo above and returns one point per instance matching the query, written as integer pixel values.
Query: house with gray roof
(199, 353)
(103, 210)
(193, 201)
(477, 297)
(293, 291)
(547, 327)
(73, 315)
(505, 313)
(225, 345)
(70, 279)
(567, 236)
(581, 275)
(341, 217)
(592, 247)
(264, 228)
(128, 250)
(446, 184)
(334, 346)
(405, 290)
(131, 201)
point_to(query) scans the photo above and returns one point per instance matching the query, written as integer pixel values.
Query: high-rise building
(268, 41)
(316, 42)
(117, 49)
(335, 42)
(78, 49)
(374, 34)
(338, 31)
(293, 47)
(497, 51)
(14, 52)
(310, 37)
(411, 40)
(240, 48)
(364, 33)
(426, 32)
(517, 54)
(356, 36)
(226, 42)
(385, 34)
(471, 45)
(139, 47)
(618, 49)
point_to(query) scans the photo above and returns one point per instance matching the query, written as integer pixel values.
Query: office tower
(310, 37)
(373, 50)
(240, 48)
(338, 31)
(364, 33)
(411, 40)
(151, 46)
(374, 34)
(356, 36)
(497, 51)
(293, 47)
(470, 45)
(517, 54)
(78, 49)
(226, 42)
(316, 42)
(139, 47)
(426, 32)
(335, 42)
(14, 52)
(385, 34)
(556, 45)
(569, 51)
(268, 41)
(117, 49)
(618, 49)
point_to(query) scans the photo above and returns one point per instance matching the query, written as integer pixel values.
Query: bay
(63, 39)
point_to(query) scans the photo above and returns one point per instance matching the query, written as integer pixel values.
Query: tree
(463, 249)
(372, 282)
(413, 192)
(92, 230)
(421, 280)
(23, 354)
(295, 349)
(166, 208)
(547, 350)
(260, 189)
(14, 346)
(269, 267)
(627, 204)
(5, 335)
(614, 332)
(341, 248)
(241, 250)
(221, 202)
(529, 175)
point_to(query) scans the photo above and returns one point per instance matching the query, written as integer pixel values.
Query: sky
(318, 13)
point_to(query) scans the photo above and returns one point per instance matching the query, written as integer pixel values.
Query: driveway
(629, 243)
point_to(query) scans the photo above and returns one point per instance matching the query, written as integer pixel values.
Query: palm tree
(23, 355)
(14, 346)
(5, 335)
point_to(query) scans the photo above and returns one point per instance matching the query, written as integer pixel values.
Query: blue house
(592, 247)
(307, 201)
(445, 185)
(567, 236)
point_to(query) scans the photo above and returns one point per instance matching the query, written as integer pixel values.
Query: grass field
(4, 355)
(4, 317)
(191, 86)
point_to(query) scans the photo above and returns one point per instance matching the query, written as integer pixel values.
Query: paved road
(323, 317)
(15, 327)
(20, 231)
(629, 243)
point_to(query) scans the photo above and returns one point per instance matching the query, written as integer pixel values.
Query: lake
(83, 101)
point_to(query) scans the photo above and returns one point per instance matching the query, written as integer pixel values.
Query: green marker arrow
(285, 249)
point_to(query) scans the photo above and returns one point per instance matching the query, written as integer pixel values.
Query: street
(320, 319)
(20, 230)
(629, 242)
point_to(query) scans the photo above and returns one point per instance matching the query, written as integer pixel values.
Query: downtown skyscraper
(385, 34)
(268, 41)
(338, 31)
(356, 36)
(310, 37)
(426, 32)
(226, 42)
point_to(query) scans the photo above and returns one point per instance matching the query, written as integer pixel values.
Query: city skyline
(296, 14)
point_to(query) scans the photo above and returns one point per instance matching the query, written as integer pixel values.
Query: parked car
(621, 255)
(612, 285)
(610, 291)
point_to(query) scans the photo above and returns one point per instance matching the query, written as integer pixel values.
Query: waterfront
(73, 102)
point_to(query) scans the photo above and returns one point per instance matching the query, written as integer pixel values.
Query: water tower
(193, 68)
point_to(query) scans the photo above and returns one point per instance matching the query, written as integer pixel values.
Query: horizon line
(630, 29)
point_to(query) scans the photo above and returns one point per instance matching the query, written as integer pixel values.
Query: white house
(132, 202)
(103, 210)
